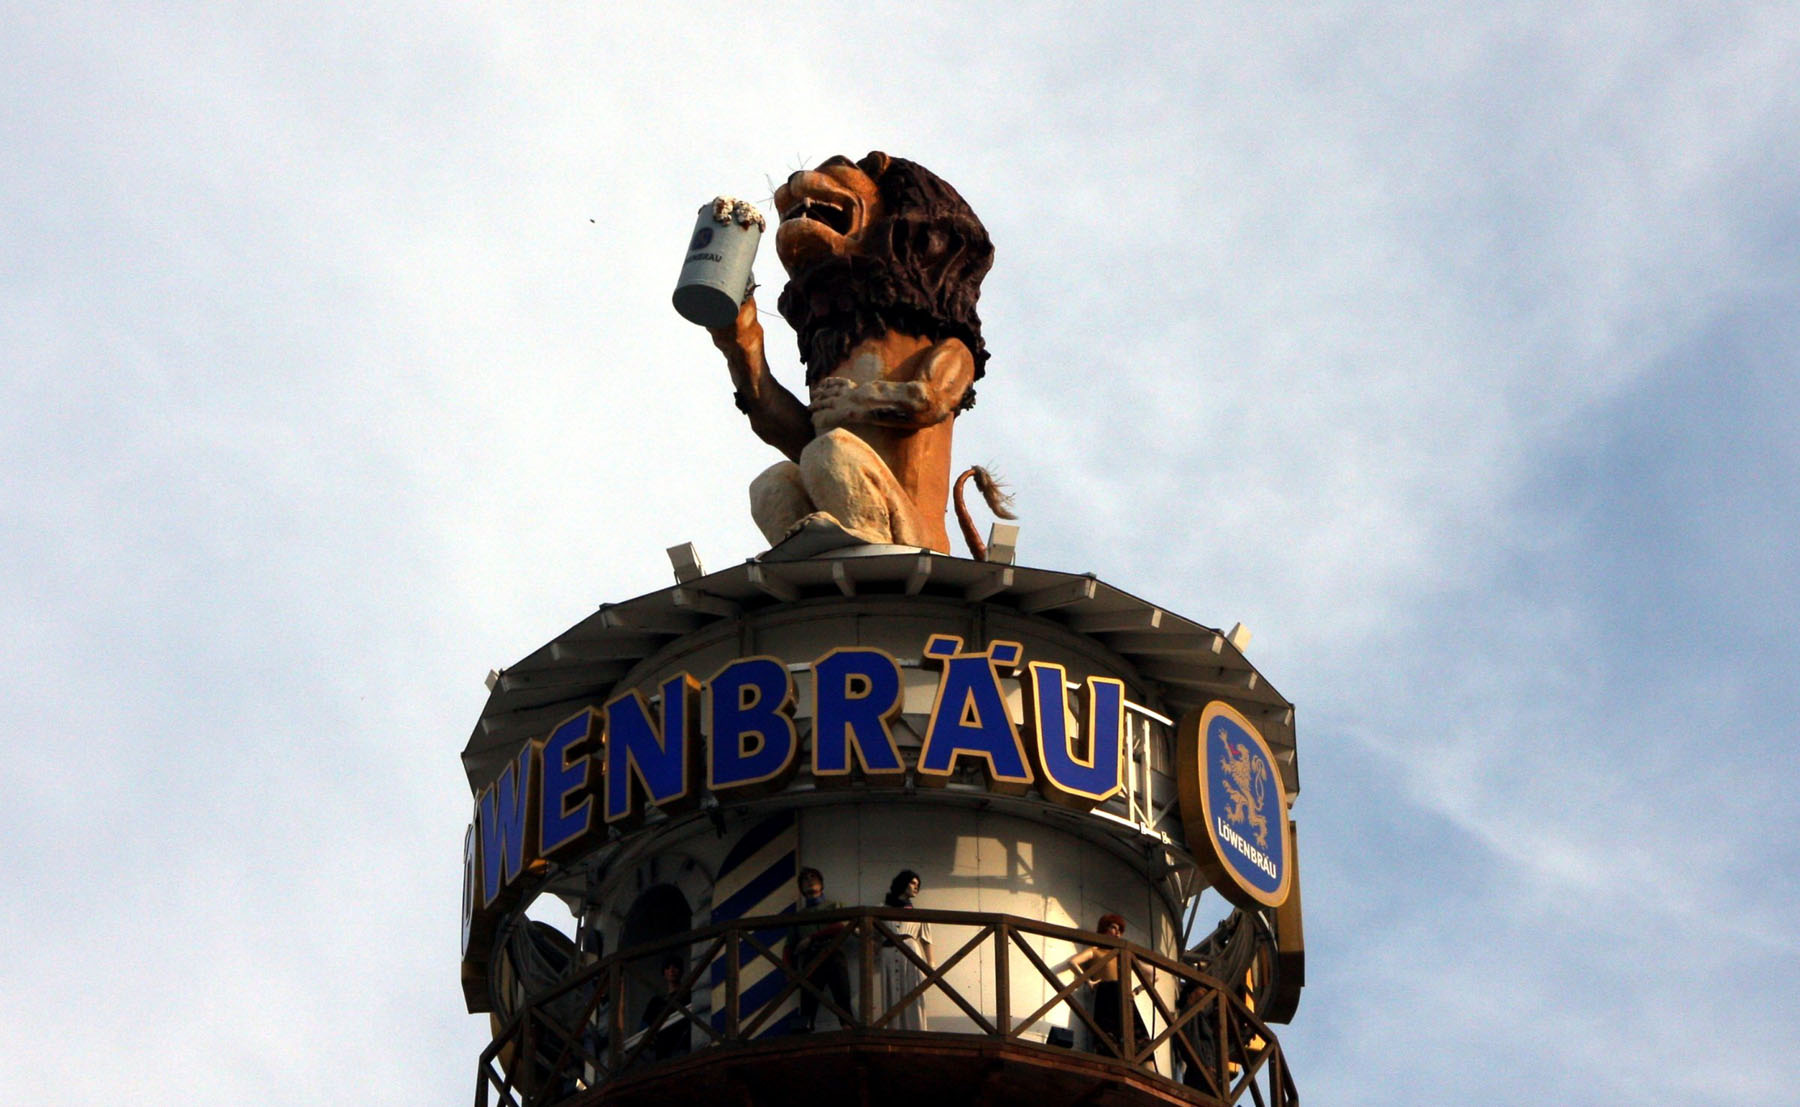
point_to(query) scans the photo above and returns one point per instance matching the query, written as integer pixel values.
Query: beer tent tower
(1042, 750)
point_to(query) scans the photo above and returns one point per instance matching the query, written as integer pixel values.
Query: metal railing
(543, 1055)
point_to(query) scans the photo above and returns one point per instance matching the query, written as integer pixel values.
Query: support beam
(1166, 644)
(689, 599)
(770, 581)
(1059, 595)
(998, 580)
(620, 645)
(1102, 622)
(920, 574)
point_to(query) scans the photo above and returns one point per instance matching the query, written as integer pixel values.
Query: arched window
(660, 911)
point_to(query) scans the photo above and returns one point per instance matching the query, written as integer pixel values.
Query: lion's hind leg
(778, 501)
(843, 475)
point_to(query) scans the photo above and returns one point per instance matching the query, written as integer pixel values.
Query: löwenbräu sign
(735, 735)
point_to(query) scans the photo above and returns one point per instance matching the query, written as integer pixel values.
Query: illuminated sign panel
(503, 814)
(566, 812)
(605, 768)
(969, 717)
(1234, 807)
(752, 740)
(857, 695)
(1080, 779)
(658, 755)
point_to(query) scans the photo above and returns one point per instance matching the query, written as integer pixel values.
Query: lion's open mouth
(835, 216)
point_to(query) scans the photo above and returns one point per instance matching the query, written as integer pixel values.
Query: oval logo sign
(702, 236)
(1233, 806)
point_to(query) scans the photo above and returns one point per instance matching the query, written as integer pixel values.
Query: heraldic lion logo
(1246, 783)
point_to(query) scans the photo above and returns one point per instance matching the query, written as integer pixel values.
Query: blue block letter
(753, 740)
(856, 698)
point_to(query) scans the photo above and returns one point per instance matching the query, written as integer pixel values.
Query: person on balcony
(899, 974)
(1201, 1054)
(665, 1016)
(806, 941)
(1109, 999)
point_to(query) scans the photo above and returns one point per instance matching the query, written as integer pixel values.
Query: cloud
(1451, 353)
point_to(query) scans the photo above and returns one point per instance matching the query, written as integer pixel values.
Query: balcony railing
(576, 1035)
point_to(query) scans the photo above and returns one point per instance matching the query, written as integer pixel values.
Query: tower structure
(862, 822)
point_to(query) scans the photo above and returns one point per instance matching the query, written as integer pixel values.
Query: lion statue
(885, 263)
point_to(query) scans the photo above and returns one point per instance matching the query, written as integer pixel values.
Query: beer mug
(715, 274)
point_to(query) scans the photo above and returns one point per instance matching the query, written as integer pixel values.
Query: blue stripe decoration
(759, 994)
(756, 838)
(776, 878)
(756, 878)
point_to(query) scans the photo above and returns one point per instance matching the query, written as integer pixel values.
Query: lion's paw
(816, 521)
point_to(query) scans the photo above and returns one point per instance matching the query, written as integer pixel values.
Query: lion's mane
(919, 272)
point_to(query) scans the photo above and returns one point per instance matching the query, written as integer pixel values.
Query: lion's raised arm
(775, 415)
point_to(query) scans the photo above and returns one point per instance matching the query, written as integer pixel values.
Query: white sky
(1453, 353)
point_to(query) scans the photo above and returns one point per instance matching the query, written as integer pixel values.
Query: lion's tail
(997, 500)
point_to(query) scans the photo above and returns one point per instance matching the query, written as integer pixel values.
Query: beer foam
(729, 209)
